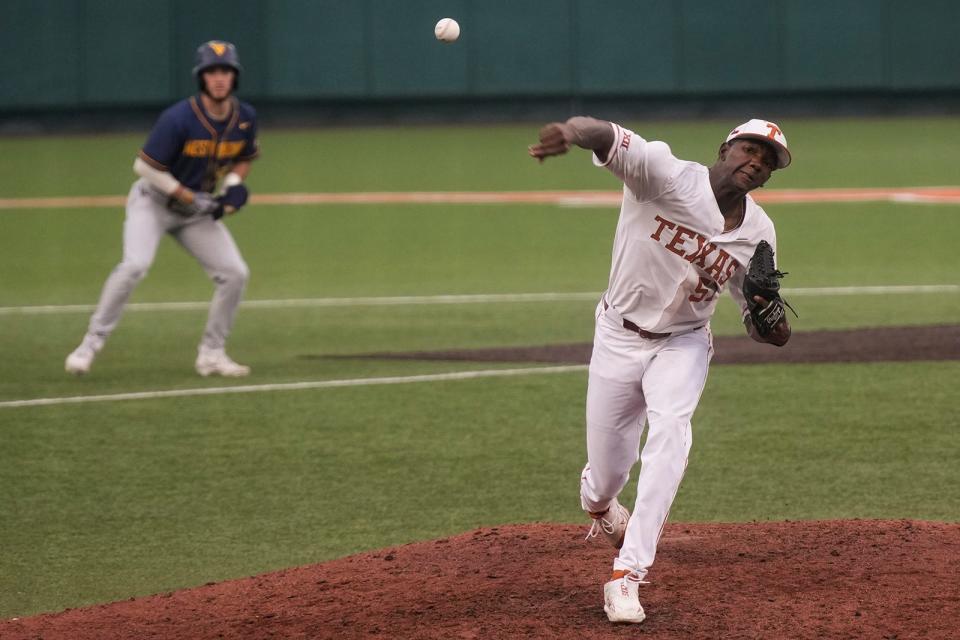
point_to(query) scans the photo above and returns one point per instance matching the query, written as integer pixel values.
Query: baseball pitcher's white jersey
(671, 257)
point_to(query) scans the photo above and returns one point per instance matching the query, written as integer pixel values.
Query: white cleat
(217, 362)
(621, 598)
(81, 359)
(612, 523)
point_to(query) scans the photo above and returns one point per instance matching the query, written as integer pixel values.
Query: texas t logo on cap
(768, 131)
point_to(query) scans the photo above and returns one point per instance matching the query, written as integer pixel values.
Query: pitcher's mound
(834, 579)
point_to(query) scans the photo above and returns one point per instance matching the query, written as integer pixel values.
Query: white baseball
(447, 30)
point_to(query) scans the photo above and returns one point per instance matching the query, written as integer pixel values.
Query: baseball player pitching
(199, 147)
(685, 232)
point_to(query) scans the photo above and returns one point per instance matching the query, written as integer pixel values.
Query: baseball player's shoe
(621, 598)
(81, 359)
(612, 523)
(217, 362)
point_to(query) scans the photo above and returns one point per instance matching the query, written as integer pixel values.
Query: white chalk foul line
(373, 301)
(449, 299)
(874, 290)
(294, 386)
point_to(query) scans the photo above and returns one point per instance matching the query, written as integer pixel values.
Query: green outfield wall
(67, 54)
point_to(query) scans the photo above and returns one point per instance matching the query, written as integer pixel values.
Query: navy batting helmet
(216, 53)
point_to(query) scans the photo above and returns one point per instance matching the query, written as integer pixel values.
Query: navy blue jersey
(197, 149)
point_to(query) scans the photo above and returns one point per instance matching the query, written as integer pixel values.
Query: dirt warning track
(926, 195)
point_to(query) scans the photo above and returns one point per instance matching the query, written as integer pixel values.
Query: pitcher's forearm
(590, 133)
(582, 131)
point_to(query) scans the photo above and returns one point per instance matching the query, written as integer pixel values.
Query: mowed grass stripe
(295, 386)
(378, 301)
(931, 195)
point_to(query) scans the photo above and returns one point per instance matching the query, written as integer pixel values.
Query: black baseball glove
(763, 279)
(232, 200)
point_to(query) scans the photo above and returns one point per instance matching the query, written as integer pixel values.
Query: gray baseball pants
(206, 239)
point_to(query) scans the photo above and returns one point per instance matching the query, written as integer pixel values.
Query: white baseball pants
(635, 381)
(206, 239)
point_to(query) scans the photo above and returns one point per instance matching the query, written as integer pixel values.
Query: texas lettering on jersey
(679, 239)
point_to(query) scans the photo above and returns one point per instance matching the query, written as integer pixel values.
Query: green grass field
(104, 501)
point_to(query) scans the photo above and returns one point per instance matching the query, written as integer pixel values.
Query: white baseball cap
(767, 131)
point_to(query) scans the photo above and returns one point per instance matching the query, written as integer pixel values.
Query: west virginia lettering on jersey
(676, 240)
(206, 148)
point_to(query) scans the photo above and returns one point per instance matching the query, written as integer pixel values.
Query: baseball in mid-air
(447, 30)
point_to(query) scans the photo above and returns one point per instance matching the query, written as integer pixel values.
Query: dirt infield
(833, 579)
(888, 344)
